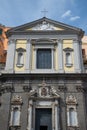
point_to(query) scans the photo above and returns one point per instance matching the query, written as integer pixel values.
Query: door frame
(35, 103)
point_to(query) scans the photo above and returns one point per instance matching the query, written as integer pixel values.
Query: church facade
(44, 85)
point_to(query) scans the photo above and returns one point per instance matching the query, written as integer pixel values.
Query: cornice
(49, 75)
(48, 32)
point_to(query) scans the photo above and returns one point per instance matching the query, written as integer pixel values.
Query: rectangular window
(15, 117)
(44, 59)
(72, 117)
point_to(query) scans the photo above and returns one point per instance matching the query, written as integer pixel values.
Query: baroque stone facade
(42, 96)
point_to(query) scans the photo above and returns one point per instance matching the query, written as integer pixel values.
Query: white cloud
(66, 14)
(74, 18)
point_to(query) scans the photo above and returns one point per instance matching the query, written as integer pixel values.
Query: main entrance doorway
(43, 119)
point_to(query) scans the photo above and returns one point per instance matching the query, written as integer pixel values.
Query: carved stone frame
(40, 102)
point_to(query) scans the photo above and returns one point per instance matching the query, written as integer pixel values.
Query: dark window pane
(1, 31)
(44, 58)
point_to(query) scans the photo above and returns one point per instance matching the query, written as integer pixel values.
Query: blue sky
(17, 12)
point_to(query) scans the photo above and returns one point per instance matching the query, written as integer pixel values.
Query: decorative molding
(9, 89)
(16, 100)
(73, 128)
(67, 49)
(11, 41)
(6, 88)
(26, 88)
(75, 40)
(60, 40)
(28, 40)
(80, 88)
(71, 100)
(62, 88)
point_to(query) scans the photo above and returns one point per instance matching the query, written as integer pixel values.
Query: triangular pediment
(44, 24)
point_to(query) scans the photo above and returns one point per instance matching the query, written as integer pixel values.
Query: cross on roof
(44, 12)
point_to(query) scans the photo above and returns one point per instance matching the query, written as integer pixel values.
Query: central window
(44, 59)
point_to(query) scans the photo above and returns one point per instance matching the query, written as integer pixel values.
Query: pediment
(44, 24)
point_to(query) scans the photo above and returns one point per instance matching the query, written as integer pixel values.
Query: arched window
(68, 58)
(16, 117)
(20, 58)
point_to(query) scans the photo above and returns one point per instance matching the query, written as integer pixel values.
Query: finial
(44, 12)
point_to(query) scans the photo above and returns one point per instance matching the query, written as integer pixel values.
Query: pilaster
(57, 127)
(28, 56)
(10, 56)
(60, 56)
(77, 56)
(29, 127)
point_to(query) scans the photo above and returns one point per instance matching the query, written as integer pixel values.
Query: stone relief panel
(44, 26)
(44, 90)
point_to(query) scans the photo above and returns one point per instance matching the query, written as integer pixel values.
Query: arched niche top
(67, 49)
(20, 49)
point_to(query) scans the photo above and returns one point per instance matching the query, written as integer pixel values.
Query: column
(77, 56)
(10, 56)
(60, 56)
(57, 127)
(28, 56)
(29, 127)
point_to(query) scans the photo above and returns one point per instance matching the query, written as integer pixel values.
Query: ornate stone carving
(44, 26)
(54, 92)
(71, 100)
(16, 100)
(33, 92)
(44, 90)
